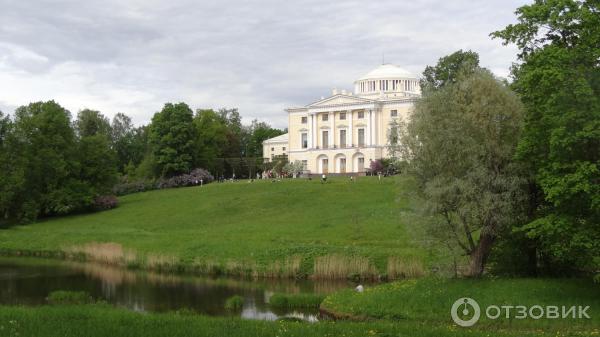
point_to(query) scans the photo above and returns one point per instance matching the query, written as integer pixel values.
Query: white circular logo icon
(465, 307)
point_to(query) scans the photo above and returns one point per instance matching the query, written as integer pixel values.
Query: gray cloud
(260, 56)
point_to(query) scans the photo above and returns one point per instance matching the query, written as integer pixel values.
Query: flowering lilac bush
(193, 178)
(105, 202)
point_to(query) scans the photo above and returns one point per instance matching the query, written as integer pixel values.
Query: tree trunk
(480, 254)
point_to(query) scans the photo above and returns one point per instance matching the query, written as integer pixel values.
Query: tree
(459, 144)
(91, 122)
(48, 163)
(448, 69)
(131, 144)
(173, 137)
(293, 169)
(96, 158)
(212, 138)
(10, 166)
(558, 79)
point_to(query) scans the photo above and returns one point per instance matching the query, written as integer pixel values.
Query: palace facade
(344, 132)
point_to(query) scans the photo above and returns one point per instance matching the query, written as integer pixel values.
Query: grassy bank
(429, 300)
(291, 228)
(101, 321)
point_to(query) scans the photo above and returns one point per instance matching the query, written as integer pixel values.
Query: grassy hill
(290, 228)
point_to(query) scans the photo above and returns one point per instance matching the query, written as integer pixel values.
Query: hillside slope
(292, 227)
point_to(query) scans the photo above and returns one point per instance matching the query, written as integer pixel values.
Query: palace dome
(387, 81)
(387, 71)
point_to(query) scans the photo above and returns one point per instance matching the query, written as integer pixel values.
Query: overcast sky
(132, 56)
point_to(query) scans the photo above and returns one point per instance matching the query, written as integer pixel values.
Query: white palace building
(344, 132)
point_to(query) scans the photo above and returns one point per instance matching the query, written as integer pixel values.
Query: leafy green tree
(11, 168)
(173, 137)
(448, 69)
(131, 144)
(558, 79)
(233, 122)
(212, 138)
(96, 158)
(92, 122)
(47, 148)
(460, 143)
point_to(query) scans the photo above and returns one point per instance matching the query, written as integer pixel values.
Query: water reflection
(28, 281)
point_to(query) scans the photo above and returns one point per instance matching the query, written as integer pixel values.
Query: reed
(340, 267)
(398, 268)
(102, 252)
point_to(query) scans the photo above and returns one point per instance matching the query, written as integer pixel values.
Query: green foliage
(212, 138)
(430, 300)
(296, 300)
(460, 144)
(449, 69)
(173, 137)
(91, 123)
(130, 144)
(235, 302)
(69, 297)
(558, 79)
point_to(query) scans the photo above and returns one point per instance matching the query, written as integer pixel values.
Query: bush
(133, 187)
(234, 303)
(105, 202)
(69, 297)
(191, 179)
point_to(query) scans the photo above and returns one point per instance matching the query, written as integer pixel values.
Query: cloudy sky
(132, 56)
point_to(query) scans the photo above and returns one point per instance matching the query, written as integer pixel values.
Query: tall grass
(340, 267)
(399, 268)
(102, 252)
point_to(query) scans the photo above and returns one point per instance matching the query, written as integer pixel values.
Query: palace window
(361, 137)
(394, 113)
(361, 164)
(272, 149)
(305, 165)
(325, 117)
(284, 148)
(342, 116)
(304, 140)
(342, 138)
(361, 114)
(304, 120)
(325, 140)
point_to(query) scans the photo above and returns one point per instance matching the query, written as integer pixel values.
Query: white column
(349, 132)
(332, 131)
(314, 128)
(310, 131)
(368, 132)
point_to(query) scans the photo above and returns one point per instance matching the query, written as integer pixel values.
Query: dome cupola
(387, 80)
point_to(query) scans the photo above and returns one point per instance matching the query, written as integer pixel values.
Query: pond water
(28, 281)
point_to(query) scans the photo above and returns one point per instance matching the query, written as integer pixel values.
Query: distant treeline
(52, 164)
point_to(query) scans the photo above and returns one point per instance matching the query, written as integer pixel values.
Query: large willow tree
(460, 143)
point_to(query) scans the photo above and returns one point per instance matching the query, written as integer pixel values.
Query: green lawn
(430, 299)
(262, 226)
(101, 321)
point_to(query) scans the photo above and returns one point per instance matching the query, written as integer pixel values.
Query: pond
(28, 281)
